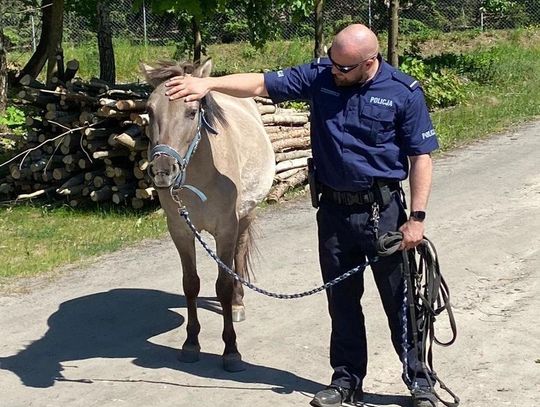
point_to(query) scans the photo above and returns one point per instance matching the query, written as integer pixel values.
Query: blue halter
(164, 149)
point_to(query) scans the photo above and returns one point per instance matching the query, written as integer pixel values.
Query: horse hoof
(189, 353)
(233, 363)
(238, 313)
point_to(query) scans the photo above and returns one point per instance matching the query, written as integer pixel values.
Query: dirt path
(108, 334)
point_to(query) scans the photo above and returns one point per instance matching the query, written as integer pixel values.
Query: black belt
(363, 197)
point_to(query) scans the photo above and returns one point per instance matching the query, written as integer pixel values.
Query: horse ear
(148, 72)
(205, 69)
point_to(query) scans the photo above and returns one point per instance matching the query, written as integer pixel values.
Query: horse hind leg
(232, 360)
(242, 265)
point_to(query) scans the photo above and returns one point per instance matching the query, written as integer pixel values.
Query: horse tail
(246, 248)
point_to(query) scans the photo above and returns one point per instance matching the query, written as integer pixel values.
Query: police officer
(370, 129)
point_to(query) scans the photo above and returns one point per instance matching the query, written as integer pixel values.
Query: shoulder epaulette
(406, 80)
(321, 62)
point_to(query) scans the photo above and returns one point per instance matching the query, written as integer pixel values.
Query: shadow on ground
(118, 324)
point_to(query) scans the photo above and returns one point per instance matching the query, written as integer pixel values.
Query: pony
(214, 157)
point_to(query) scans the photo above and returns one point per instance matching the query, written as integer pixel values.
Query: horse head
(175, 127)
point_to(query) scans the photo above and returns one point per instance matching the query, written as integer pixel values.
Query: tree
(393, 31)
(107, 66)
(50, 41)
(3, 64)
(197, 9)
(319, 38)
(98, 14)
(262, 15)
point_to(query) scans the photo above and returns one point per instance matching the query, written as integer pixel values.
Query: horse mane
(166, 69)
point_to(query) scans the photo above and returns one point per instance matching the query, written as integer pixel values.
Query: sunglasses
(346, 68)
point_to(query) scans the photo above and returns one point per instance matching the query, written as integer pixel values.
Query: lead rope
(184, 213)
(430, 298)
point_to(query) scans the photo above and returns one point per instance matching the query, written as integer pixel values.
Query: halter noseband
(164, 149)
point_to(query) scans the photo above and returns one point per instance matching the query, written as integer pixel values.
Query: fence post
(481, 18)
(144, 24)
(369, 14)
(33, 32)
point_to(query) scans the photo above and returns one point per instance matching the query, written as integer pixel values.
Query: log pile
(289, 133)
(88, 143)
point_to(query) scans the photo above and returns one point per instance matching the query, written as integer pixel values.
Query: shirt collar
(381, 74)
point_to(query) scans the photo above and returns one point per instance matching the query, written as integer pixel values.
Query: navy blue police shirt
(363, 132)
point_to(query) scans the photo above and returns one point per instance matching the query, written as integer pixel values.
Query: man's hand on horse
(189, 87)
(413, 233)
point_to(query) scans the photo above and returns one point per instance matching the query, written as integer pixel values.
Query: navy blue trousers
(346, 239)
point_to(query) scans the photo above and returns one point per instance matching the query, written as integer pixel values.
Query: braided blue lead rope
(404, 341)
(184, 213)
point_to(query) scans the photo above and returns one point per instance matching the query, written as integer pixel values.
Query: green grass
(37, 239)
(227, 58)
(512, 98)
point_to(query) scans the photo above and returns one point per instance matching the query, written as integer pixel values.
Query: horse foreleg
(232, 360)
(191, 283)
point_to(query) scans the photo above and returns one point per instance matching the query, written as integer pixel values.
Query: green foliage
(480, 66)
(300, 106)
(442, 88)
(409, 26)
(498, 6)
(505, 13)
(13, 117)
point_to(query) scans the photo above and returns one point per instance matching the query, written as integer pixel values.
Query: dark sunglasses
(345, 68)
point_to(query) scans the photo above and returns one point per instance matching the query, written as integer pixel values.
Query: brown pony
(232, 166)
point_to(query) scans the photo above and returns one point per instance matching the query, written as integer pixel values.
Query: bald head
(356, 40)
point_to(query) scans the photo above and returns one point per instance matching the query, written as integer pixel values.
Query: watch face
(418, 215)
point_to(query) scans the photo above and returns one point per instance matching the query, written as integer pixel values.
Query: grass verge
(38, 238)
(511, 98)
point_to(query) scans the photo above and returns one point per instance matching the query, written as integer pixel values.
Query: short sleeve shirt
(363, 132)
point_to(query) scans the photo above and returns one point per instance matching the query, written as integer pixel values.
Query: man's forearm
(239, 85)
(420, 181)
(195, 88)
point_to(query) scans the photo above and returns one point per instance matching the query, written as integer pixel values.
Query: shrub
(442, 88)
(480, 66)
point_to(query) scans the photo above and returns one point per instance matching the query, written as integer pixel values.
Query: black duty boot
(333, 396)
(422, 396)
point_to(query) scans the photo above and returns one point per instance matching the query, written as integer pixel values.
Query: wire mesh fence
(140, 25)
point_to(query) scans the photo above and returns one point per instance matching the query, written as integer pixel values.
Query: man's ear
(205, 69)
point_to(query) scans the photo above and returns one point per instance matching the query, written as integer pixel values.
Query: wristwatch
(418, 216)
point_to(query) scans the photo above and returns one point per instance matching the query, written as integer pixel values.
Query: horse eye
(190, 113)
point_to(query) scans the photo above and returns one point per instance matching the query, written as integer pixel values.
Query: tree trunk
(393, 29)
(50, 40)
(107, 67)
(319, 39)
(197, 40)
(3, 65)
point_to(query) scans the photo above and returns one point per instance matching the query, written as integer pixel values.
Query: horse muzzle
(164, 171)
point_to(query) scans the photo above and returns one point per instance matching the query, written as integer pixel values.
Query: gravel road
(107, 334)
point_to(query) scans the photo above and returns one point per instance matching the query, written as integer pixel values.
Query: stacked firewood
(289, 133)
(87, 142)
